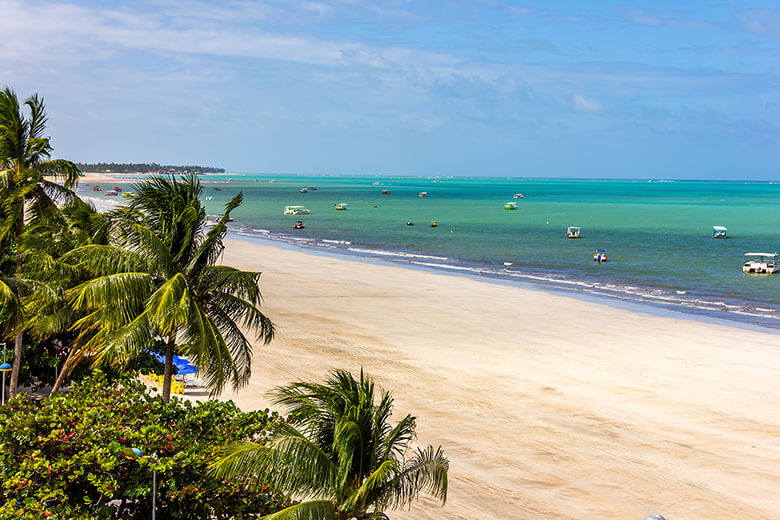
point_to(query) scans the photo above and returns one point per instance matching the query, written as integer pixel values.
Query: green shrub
(66, 456)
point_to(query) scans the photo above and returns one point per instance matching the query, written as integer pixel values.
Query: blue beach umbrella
(186, 370)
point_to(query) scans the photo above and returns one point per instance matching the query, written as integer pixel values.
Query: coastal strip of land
(547, 406)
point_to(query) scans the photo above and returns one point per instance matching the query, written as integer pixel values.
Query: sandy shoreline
(108, 177)
(547, 406)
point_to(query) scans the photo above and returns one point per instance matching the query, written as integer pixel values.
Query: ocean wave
(664, 297)
(401, 254)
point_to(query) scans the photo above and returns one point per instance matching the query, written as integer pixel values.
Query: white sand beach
(548, 407)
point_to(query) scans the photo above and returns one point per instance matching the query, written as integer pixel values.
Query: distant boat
(600, 255)
(97, 188)
(296, 210)
(573, 232)
(299, 224)
(117, 189)
(510, 205)
(312, 188)
(385, 192)
(217, 188)
(434, 223)
(303, 190)
(719, 232)
(422, 194)
(517, 196)
(110, 193)
(341, 206)
(410, 223)
(209, 198)
(760, 263)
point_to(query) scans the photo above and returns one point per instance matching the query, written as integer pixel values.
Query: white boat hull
(758, 268)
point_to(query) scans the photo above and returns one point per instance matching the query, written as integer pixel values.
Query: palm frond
(398, 439)
(101, 259)
(61, 170)
(373, 487)
(118, 296)
(311, 510)
(291, 462)
(169, 304)
(240, 458)
(210, 250)
(426, 471)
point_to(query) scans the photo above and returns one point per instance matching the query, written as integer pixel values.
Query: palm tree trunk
(65, 369)
(16, 365)
(169, 347)
(18, 340)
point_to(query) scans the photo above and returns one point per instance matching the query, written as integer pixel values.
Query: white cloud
(585, 104)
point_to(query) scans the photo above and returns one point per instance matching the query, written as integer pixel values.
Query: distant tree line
(145, 168)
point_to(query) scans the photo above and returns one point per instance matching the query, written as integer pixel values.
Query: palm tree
(339, 450)
(46, 242)
(159, 279)
(26, 189)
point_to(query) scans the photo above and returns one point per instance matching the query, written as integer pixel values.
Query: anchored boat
(719, 232)
(299, 224)
(573, 232)
(600, 255)
(341, 206)
(296, 210)
(510, 205)
(760, 263)
(517, 196)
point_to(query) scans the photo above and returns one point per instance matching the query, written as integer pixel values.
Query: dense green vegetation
(90, 298)
(67, 456)
(153, 168)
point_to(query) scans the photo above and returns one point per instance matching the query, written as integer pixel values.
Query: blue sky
(480, 88)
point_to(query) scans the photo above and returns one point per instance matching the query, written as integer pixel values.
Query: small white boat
(600, 255)
(719, 232)
(517, 196)
(573, 232)
(303, 190)
(760, 263)
(341, 206)
(296, 210)
(510, 205)
(209, 198)
(422, 194)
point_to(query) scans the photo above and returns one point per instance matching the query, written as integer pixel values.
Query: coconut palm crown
(339, 451)
(159, 279)
(28, 187)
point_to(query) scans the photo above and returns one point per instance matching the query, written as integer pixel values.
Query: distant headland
(152, 168)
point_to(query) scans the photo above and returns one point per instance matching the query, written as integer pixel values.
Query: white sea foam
(400, 254)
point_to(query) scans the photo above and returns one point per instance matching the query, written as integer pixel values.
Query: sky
(596, 89)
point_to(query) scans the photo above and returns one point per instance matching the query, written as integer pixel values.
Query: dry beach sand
(548, 407)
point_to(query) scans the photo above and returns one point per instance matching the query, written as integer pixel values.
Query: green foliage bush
(66, 457)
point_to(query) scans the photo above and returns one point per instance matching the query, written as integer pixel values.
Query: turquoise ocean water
(657, 233)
